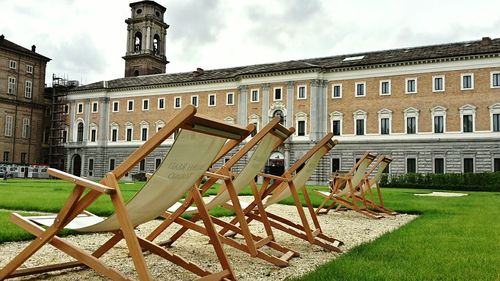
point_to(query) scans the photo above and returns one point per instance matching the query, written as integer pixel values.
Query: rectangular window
(91, 167)
(254, 96)
(12, 64)
(211, 100)
(161, 103)
(145, 104)
(384, 126)
(116, 106)
(496, 165)
(360, 127)
(301, 128)
(335, 164)
(411, 85)
(495, 79)
(9, 120)
(496, 122)
(11, 85)
(64, 136)
(467, 82)
(229, 98)
(277, 94)
(23, 157)
(144, 134)
(468, 165)
(157, 163)
(337, 91)
(79, 108)
(114, 134)
(95, 106)
(360, 89)
(28, 89)
(112, 163)
(411, 165)
(129, 134)
(29, 69)
(26, 128)
(385, 88)
(66, 109)
(177, 102)
(438, 124)
(411, 125)
(336, 127)
(301, 92)
(142, 165)
(467, 123)
(130, 105)
(194, 101)
(93, 134)
(439, 165)
(6, 156)
(438, 83)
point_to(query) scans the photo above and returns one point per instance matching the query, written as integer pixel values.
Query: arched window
(156, 44)
(136, 73)
(280, 114)
(138, 42)
(79, 132)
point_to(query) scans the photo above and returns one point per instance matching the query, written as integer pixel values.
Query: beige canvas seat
(342, 194)
(199, 141)
(261, 146)
(285, 186)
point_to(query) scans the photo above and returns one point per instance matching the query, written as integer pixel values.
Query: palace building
(433, 109)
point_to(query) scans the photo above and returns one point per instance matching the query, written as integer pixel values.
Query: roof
(486, 46)
(9, 45)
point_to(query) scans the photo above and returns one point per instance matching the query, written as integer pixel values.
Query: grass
(453, 238)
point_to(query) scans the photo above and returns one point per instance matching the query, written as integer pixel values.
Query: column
(148, 37)
(86, 120)
(289, 104)
(242, 105)
(102, 134)
(313, 117)
(265, 104)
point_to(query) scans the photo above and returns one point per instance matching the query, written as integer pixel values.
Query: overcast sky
(86, 38)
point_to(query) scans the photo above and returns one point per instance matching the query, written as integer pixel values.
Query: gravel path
(348, 226)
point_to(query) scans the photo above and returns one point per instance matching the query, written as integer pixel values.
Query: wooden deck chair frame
(252, 243)
(372, 181)
(344, 191)
(78, 201)
(303, 230)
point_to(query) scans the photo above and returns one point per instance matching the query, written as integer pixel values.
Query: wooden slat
(80, 181)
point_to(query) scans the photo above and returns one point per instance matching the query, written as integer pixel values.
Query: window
(254, 119)
(95, 106)
(91, 167)
(496, 122)
(411, 85)
(301, 92)
(142, 165)
(194, 101)
(337, 91)
(157, 163)
(9, 120)
(468, 165)
(301, 122)
(495, 79)
(496, 165)
(12, 64)
(145, 104)
(29, 69)
(360, 89)
(411, 165)
(177, 102)
(467, 123)
(161, 103)
(385, 87)
(26, 128)
(65, 135)
(438, 124)
(116, 106)
(23, 157)
(11, 85)
(129, 131)
(144, 134)
(438, 119)
(411, 125)
(335, 164)
(229, 98)
(385, 120)
(360, 127)
(79, 132)
(5, 156)
(278, 94)
(66, 109)
(159, 125)
(384, 126)
(439, 165)
(467, 116)
(336, 127)
(28, 89)
(112, 163)
(438, 83)
(114, 132)
(301, 128)
(93, 133)
(254, 97)
(211, 100)
(467, 81)
(79, 108)
(495, 117)
(130, 105)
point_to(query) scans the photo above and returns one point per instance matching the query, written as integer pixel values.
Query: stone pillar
(265, 104)
(86, 119)
(148, 37)
(130, 40)
(318, 101)
(102, 134)
(242, 105)
(287, 154)
(289, 104)
(72, 119)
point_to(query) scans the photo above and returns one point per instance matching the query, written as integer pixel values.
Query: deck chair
(343, 193)
(285, 186)
(197, 144)
(262, 144)
(372, 182)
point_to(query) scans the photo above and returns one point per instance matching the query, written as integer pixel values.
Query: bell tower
(146, 33)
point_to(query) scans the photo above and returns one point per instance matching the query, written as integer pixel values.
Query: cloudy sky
(86, 38)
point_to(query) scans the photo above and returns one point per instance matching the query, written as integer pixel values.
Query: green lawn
(453, 239)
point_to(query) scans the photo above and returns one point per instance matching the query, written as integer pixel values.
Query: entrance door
(276, 164)
(77, 165)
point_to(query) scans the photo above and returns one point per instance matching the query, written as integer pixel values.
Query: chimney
(33, 48)
(2, 37)
(486, 41)
(198, 72)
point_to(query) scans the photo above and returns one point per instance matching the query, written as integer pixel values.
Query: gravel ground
(348, 226)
